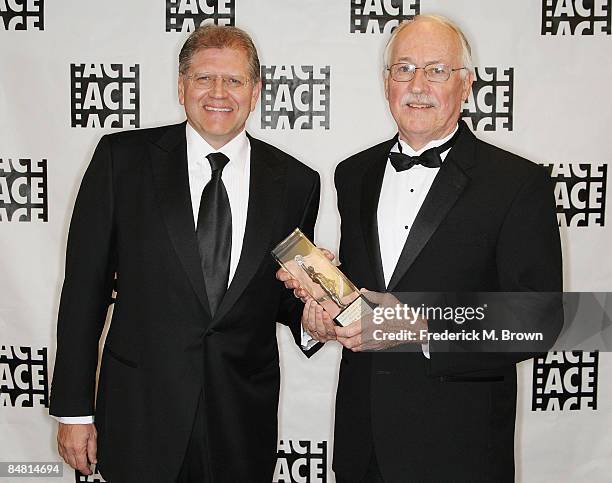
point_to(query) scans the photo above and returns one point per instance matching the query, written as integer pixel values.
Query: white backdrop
(545, 95)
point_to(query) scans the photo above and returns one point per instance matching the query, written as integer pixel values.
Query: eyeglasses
(404, 72)
(207, 80)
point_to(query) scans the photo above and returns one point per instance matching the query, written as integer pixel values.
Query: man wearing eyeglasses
(436, 210)
(180, 220)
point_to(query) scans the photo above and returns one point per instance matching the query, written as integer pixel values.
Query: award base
(357, 309)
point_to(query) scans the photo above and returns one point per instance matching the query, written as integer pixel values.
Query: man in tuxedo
(435, 210)
(180, 220)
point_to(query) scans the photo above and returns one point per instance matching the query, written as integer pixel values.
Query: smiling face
(424, 110)
(218, 114)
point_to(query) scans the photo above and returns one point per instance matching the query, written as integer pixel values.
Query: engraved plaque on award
(321, 279)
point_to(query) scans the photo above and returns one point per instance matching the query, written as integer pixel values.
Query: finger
(330, 326)
(81, 462)
(92, 449)
(377, 298)
(328, 254)
(350, 330)
(350, 342)
(61, 451)
(319, 327)
(282, 274)
(306, 321)
(302, 294)
(70, 458)
(292, 283)
(312, 319)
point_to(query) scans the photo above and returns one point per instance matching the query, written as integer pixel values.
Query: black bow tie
(429, 158)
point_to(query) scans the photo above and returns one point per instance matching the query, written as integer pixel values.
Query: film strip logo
(105, 95)
(295, 97)
(580, 193)
(576, 17)
(22, 15)
(300, 461)
(565, 381)
(24, 381)
(490, 104)
(187, 15)
(381, 16)
(23, 190)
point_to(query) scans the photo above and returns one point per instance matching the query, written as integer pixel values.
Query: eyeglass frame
(388, 68)
(224, 79)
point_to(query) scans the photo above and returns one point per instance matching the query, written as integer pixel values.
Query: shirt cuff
(306, 342)
(74, 419)
(425, 349)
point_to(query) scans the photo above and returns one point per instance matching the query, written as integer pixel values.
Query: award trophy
(321, 279)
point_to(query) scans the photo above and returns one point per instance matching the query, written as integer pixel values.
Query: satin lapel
(266, 186)
(443, 194)
(169, 166)
(370, 194)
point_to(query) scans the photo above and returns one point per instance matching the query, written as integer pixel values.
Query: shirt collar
(237, 150)
(406, 149)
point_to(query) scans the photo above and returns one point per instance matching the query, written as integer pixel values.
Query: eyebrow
(409, 59)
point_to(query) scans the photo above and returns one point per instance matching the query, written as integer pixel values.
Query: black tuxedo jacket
(487, 224)
(133, 219)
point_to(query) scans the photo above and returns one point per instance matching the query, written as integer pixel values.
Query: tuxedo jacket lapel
(448, 185)
(170, 175)
(265, 193)
(370, 194)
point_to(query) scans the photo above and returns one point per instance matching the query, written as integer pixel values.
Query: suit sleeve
(290, 311)
(528, 260)
(86, 292)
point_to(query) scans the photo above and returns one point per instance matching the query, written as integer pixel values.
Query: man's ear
(255, 94)
(386, 78)
(181, 90)
(467, 85)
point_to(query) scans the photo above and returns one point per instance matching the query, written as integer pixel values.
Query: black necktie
(214, 232)
(429, 158)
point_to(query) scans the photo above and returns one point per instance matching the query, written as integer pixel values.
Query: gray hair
(212, 36)
(466, 50)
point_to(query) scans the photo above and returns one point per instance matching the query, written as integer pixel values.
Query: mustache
(422, 99)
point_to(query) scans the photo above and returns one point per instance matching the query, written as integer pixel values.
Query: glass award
(322, 280)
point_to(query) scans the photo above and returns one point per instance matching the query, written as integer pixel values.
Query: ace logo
(187, 15)
(295, 97)
(24, 382)
(301, 462)
(23, 190)
(576, 17)
(22, 14)
(580, 193)
(565, 381)
(95, 477)
(105, 95)
(490, 104)
(381, 16)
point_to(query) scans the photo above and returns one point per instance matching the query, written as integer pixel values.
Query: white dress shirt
(235, 176)
(401, 197)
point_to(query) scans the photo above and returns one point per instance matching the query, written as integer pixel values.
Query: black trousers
(372, 475)
(195, 465)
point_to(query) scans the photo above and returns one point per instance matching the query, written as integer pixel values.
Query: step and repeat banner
(71, 71)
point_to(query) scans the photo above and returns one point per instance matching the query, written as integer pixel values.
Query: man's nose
(419, 82)
(218, 89)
